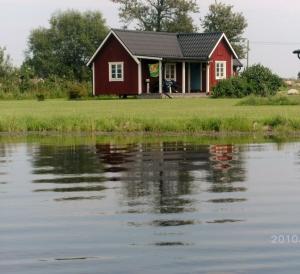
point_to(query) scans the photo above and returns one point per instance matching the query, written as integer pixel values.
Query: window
(116, 71)
(170, 71)
(220, 70)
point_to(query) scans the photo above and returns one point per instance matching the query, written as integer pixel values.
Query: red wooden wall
(113, 51)
(221, 53)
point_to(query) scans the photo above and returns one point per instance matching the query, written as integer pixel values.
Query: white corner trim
(183, 78)
(94, 82)
(140, 90)
(103, 43)
(207, 78)
(110, 64)
(226, 39)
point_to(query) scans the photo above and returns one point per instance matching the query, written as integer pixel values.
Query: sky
(273, 26)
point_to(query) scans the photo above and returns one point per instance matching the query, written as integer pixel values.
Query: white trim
(183, 77)
(175, 71)
(94, 82)
(224, 76)
(207, 78)
(98, 49)
(160, 76)
(140, 90)
(111, 79)
(103, 43)
(223, 36)
(148, 57)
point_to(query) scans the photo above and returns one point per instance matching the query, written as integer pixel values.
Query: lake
(149, 207)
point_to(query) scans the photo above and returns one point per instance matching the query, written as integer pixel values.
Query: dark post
(297, 52)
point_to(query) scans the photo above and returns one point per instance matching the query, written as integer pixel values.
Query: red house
(195, 61)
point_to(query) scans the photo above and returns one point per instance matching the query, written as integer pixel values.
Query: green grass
(271, 101)
(153, 116)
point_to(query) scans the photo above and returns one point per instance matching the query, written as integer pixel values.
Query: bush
(40, 97)
(77, 91)
(257, 80)
(233, 87)
(263, 81)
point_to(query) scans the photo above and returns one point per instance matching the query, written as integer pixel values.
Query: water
(162, 207)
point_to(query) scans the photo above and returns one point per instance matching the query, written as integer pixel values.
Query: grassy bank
(154, 116)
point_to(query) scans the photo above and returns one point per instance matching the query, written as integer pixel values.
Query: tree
(6, 68)
(221, 17)
(65, 48)
(159, 15)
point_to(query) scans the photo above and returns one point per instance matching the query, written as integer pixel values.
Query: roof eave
(103, 43)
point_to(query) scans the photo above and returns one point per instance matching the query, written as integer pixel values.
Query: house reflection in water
(170, 173)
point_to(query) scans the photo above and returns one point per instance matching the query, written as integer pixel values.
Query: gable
(225, 40)
(111, 34)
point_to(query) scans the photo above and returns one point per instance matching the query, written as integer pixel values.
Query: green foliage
(233, 87)
(65, 47)
(163, 15)
(40, 97)
(263, 81)
(25, 87)
(269, 101)
(222, 18)
(6, 68)
(257, 80)
(203, 116)
(77, 91)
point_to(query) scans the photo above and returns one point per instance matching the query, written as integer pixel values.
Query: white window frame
(219, 75)
(167, 67)
(116, 79)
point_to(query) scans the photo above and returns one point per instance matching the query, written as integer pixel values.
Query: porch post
(140, 77)
(207, 78)
(183, 77)
(160, 76)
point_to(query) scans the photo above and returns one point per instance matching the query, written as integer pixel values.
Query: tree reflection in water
(73, 172)
(164, 177)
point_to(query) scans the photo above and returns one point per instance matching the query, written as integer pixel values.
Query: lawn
(177, 115)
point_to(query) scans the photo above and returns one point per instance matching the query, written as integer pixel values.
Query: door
(196, 77)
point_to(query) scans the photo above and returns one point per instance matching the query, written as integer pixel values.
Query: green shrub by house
(233, 87)
(257, 80)
(77, 91)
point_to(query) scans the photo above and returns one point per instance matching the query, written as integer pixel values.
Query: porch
(178, 95)
(190, 76)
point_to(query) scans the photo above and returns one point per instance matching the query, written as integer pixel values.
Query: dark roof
(198, 44)
(148, 43)
(168, 45)
(193, 46)
(237, 63)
